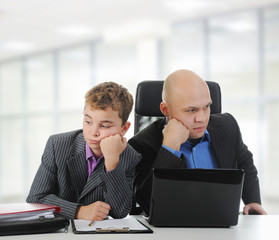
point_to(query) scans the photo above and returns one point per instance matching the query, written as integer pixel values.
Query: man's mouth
(94, 141)
(199, 128)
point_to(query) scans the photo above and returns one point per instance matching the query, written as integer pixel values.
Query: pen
(90, 223)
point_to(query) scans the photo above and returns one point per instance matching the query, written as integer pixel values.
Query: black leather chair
(149, 97)
(147, 109)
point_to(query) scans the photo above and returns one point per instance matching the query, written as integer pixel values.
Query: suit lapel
(94, 180)
(77, 164)
(220, 144)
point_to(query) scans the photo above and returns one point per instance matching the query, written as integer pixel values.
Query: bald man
(188, 125)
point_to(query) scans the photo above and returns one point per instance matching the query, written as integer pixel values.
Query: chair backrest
(149, 97)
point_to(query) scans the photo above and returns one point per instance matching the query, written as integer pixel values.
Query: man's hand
(175, 133)
(111, 148)
(254, 208)
(96, 211)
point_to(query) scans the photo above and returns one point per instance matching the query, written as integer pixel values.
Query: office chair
(147, 109)
(149, 97)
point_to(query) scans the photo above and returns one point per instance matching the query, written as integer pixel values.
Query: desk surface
(253, 227)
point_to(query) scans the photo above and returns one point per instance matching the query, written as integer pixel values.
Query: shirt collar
(89, 154)
(205, 138)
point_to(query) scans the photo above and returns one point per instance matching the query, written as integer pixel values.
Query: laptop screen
(196, 197)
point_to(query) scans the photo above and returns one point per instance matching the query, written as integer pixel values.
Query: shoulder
(73, 139)
(130, 156)
(67, 136)
(225, 119)
(221, 117)
(130, 151)
(153, 129)
(150, 136)
(223, 123)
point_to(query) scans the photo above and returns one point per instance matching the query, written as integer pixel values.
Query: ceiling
(31, 26)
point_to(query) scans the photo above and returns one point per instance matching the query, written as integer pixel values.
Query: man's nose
(95, 132)
(200, 116)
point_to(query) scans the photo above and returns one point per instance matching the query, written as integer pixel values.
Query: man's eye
(191, 110)
(104, 126)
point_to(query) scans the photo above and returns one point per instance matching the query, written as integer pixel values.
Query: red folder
(30, 218)
(16, 208)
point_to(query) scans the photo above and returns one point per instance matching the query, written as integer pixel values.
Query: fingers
(116, 139)
(102, 207)
(96, 211)
(100, 210)
(100, 216)
(245, 210)
(174, 134)
(111, 137)
(112, 147)
(253, 208)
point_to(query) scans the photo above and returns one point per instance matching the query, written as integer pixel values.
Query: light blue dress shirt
(199, 156)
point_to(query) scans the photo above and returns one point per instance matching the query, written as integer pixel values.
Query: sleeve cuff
(176, 153)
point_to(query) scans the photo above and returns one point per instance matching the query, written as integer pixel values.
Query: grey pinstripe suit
(226, 142)
(61, 179)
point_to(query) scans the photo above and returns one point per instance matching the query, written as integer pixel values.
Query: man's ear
(125, 128)
(164, 109)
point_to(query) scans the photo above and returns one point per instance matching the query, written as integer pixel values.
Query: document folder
(26, 218)
(26, 211)
(34, 226)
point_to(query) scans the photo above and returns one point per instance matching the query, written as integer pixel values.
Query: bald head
(183, 82)
(186, 99)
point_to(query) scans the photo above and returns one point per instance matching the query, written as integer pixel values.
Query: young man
(189, 137)
(89, 173)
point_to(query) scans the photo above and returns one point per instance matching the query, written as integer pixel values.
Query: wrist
(111, 164)
(78, 212)
(173, 145)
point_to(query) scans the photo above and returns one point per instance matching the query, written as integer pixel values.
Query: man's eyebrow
(107, 121)
(86, 115)
(103, 121)
(188, 107)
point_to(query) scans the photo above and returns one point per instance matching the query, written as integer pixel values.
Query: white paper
(131, 223)
(25, 216)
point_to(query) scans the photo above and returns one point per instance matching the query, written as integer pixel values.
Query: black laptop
(195, 197)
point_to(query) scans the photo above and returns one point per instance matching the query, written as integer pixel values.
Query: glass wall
(234, 54)
(43, 94)
(270, 115)
(234, 63)
(186, 48)
(12, 123)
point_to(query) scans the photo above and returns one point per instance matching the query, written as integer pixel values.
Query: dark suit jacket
(61, 179)
(226, 142)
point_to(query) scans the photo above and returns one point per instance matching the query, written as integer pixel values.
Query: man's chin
(94, 147)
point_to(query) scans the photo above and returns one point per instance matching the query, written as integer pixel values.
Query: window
(43, 94)
(270, 113)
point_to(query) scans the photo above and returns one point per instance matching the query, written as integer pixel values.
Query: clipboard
(110, 226)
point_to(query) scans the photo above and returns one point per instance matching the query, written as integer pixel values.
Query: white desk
(253, 227)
